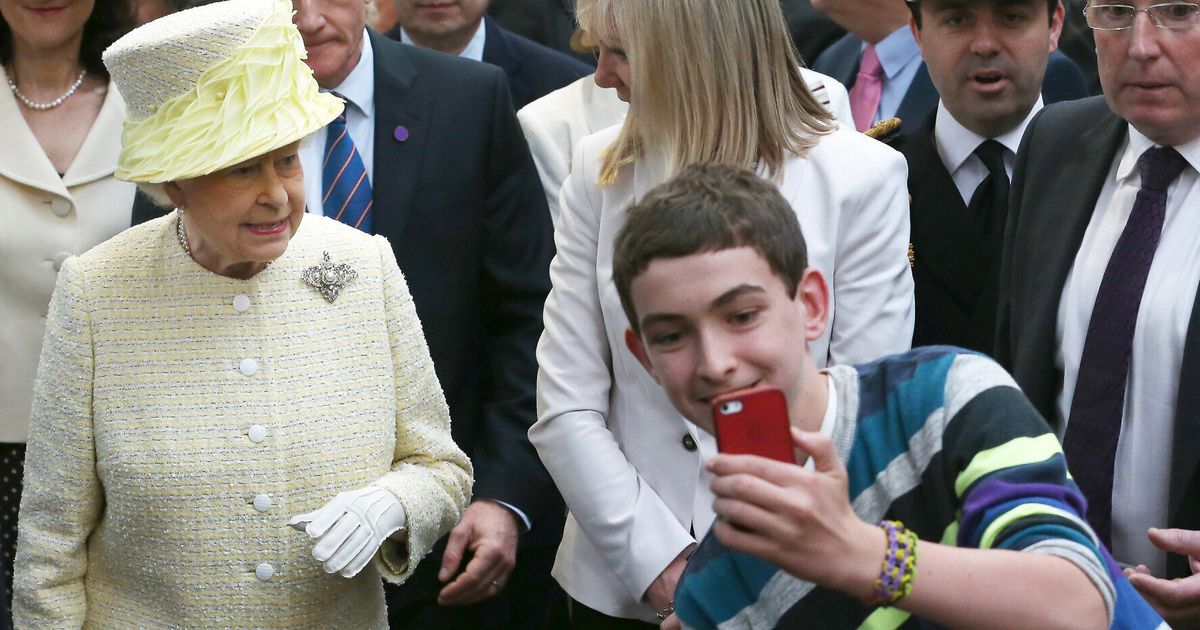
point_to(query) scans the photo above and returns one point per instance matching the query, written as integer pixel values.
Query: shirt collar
(829, 420)
(358, 88)
(897, 50)
(474, 49)
(956, 143)
(1137, 144)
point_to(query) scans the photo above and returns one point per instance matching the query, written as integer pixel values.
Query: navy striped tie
(344, 183)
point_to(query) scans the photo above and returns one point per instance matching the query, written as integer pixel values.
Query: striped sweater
(944, 441)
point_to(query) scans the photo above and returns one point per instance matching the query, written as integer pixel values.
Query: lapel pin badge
(401, 133)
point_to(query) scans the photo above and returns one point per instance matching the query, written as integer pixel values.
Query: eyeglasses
(1118, 17)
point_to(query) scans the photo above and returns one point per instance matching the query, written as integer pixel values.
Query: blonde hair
(717, 81)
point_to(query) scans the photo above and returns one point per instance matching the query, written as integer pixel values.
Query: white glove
(351, 527)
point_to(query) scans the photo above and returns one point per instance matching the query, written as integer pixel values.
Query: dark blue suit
(1064, 81)
(533, 70)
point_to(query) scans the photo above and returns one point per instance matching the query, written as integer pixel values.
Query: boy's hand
(800, 520)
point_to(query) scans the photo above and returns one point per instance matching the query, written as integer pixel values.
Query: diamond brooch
(329, 279)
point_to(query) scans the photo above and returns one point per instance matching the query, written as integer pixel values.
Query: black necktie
(1094, 424)
(989, 204)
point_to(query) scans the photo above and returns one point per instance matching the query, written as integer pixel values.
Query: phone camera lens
(731, 407)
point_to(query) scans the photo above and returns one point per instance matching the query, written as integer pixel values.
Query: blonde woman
(236, 421)
(706, 81)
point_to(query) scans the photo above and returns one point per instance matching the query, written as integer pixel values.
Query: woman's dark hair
(110, 19)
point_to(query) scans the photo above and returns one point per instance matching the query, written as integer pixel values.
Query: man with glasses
(1098, 316)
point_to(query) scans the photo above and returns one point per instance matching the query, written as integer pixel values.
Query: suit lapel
(947, 243)
(842, 59)
(397, 163)
(1071, 197)
(23, 159)
(920, 100)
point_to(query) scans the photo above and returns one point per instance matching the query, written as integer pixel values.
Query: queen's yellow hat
(211, 87)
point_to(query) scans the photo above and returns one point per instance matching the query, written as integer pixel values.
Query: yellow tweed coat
(180, 418)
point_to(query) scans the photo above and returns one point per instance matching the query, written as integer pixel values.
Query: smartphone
(754, 423)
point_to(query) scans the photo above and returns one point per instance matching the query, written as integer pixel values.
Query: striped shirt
(944, 441)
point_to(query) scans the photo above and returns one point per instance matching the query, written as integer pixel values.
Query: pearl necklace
(52, 104)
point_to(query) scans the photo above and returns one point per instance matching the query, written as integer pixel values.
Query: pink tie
(867, 90)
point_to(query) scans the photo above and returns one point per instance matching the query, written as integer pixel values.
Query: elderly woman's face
(45, 25)
(240, 218)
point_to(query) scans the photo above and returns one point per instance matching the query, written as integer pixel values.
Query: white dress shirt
(1142, 475)
(358, 89)
(474, 49)
(956, 146)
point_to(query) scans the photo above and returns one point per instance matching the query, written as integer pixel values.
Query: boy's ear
(635, 345)
(813, 294)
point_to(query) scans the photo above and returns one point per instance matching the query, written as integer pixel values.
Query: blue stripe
(896, 398)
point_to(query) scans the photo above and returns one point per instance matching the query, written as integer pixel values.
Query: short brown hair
(709, 208)
(915, 7)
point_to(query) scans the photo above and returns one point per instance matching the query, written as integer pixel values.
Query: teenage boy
(938, 443)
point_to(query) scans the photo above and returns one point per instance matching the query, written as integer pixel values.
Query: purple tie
(1094, 425)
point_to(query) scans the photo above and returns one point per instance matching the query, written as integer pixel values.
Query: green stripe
(1015, 452)
(1021, 511)
(950, 536)
(885, 619)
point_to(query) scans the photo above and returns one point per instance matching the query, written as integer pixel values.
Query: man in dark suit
(547, 22)
(455, 191)
(988, 60)
(460, 27)
(881, 28)
(1098, 319)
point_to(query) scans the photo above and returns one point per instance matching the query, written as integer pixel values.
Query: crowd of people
(378, 313)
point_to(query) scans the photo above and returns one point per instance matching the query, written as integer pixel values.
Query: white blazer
(555, 123)
(626, 462)
(44, 219)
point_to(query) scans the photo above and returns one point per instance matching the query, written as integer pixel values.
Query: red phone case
(754, 423)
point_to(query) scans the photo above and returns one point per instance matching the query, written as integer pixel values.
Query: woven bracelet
(899, 565)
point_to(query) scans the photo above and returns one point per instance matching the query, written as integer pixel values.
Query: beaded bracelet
(899, 565)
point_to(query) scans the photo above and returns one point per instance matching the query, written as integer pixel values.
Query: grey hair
(156, 193)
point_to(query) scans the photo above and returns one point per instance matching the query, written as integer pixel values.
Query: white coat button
(248, 367)
(60, 206)
(257, 433)
(241, 303)
(262, 502)
(264, 571)
(58, 259)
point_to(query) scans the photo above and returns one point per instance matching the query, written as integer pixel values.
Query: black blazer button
(689, 442)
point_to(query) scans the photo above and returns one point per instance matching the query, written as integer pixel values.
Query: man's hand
(1178, 600)
(661, 593)
(800, 520)
(489, 531)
